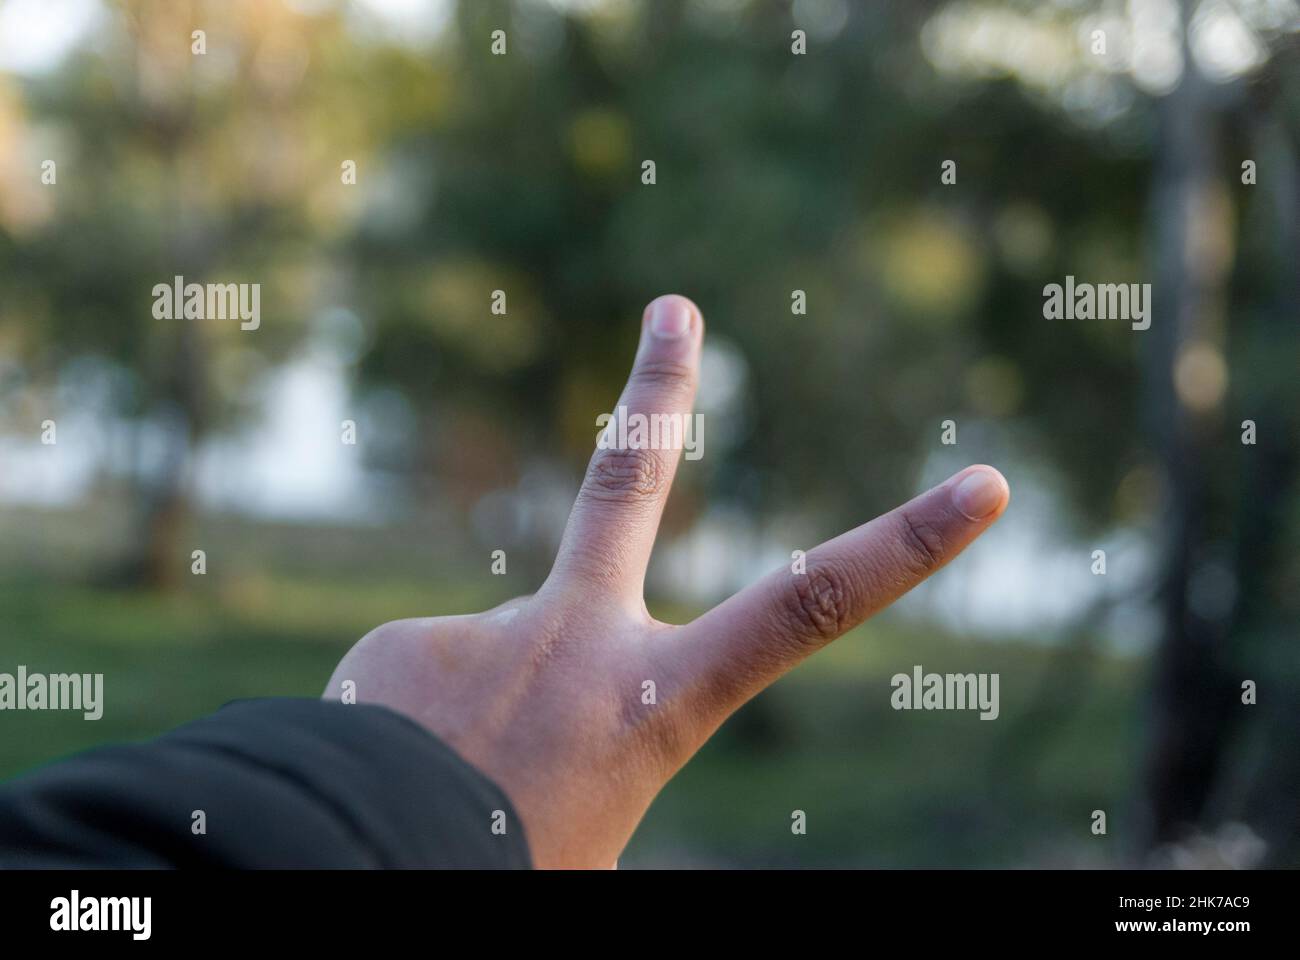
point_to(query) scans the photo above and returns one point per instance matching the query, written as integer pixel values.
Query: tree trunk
(1192, 695)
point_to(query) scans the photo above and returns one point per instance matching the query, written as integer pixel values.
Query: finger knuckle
(664, 376)
(628, 475)
(924, 546)
(815, 605)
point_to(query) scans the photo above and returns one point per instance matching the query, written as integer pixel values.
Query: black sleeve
(280, 783)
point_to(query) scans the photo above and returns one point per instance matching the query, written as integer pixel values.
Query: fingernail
(669, 318)
(978, 494)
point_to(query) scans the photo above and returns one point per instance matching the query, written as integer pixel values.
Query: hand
(543, 694)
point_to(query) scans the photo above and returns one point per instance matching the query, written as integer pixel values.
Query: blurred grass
(908, 788)
(879, 787)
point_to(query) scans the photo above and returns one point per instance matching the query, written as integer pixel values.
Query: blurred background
(776, 172)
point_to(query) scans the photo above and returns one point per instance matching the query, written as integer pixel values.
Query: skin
(543, 694)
